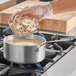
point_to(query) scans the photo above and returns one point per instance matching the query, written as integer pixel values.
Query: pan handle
(55, 41)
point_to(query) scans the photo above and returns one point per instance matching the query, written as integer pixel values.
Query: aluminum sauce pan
(24, 54)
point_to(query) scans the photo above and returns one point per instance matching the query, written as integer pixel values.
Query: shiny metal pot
(24, 54)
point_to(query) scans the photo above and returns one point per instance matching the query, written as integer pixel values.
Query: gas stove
(59, 59)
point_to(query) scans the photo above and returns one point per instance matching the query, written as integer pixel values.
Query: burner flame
(26, 66)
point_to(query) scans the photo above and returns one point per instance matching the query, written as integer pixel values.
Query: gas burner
(53, 53)
(25, 69)
(26, 66)
(13, 71)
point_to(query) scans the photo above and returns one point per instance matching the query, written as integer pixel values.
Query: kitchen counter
(63, 22)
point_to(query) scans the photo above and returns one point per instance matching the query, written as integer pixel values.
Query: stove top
(54, 53)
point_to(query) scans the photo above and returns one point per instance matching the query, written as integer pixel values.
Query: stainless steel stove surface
(59, 61)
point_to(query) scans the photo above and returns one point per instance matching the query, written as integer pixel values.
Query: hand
(41, 11)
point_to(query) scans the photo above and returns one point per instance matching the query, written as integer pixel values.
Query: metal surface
(24, 54)
(66, 66)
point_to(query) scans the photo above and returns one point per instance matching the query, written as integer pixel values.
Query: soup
(25, 42)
